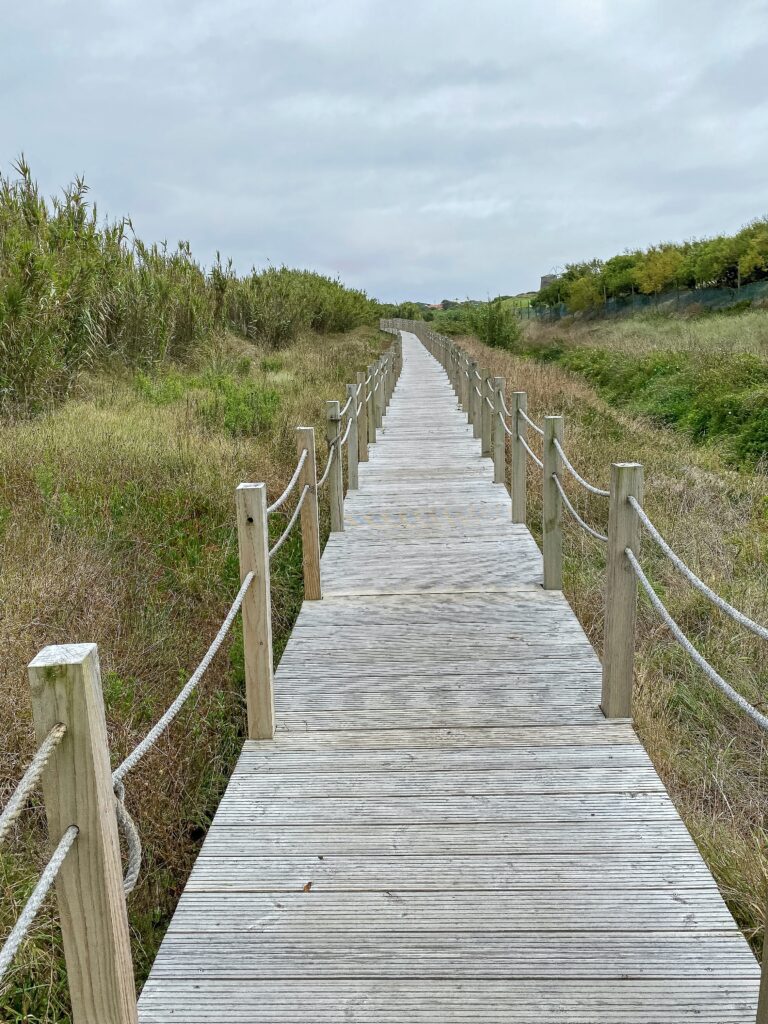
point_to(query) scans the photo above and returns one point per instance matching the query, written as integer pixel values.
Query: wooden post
(362, 421)
(621, 591)
(486, 420)
(370, 413)
(336, 474)
(253, 545)
(474, 402)
(552, 530)
(762, 1002)
(499, 434)
(378, 390)
(310, 518)
(465, 385)
(519, 457)
(352, 447)
(77, 787)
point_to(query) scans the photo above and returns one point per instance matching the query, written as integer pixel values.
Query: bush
(75, 293)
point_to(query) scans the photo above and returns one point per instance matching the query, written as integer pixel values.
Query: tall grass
(76, 293)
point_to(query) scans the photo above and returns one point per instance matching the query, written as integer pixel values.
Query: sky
(420, 149)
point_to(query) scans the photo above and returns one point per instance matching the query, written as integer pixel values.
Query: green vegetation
(76, 294)
(726, 261)
(494, 321)
(707, 378)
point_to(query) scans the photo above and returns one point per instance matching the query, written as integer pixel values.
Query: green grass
(708, 379)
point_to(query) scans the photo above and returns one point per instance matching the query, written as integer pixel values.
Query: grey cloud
(418, 149)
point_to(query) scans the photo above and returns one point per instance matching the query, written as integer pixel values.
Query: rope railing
(30, 779)
(524, 416)
(725, 687)
(576, 476)
(327, 470)
(157, 730)
(690, 575)
(530, 451)
(291, 522)
(509, 432)
(29, 913)
(567, 502)
(291, 484)
(345, 436)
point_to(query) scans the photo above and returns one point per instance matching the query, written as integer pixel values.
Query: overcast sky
(418, 149)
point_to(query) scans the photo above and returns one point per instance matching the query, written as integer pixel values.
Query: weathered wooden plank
(584, 910)
(630, 871)
(373, 1001)
(523, 809)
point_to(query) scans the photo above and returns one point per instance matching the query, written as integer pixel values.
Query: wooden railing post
(77, 788)
(474, 401)
(519, 483)
(464, 389)
(499, 434)
(253, 546)
(624, 531)
(486, 418)
(552, 505)
(336, 474)
(370, 405)
(362, 421)
(310, 517)
(378, 395)
(352, 447)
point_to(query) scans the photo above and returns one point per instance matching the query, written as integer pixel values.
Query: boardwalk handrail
(84, 799)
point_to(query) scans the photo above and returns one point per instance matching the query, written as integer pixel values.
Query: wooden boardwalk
(445, 829)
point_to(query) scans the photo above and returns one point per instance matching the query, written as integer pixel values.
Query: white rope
(343, 440)
(504, 408)
(130, 834)
(692, 578)
(359, 389)
(327, 470)
(574, 513)
(291, 484)
(529, 421)
(345, 408)
(576, 476)
(29, 779)
(504, 424)
(688, 647)
(359, 409)
(35, 901)
(489, 403)
(159, 728)
(278, 544)
(477, 390)
(369, 378)
(533, 455)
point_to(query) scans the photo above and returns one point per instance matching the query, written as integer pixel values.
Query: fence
(676, 301)
(84, 799)
(483, 399)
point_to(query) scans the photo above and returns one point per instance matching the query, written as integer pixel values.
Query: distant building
(547, 280)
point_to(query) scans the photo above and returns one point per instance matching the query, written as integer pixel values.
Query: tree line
(725, 261)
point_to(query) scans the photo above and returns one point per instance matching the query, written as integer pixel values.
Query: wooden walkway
(445, 829)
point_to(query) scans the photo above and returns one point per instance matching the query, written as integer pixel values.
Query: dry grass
(117, 526)
(712, 759)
